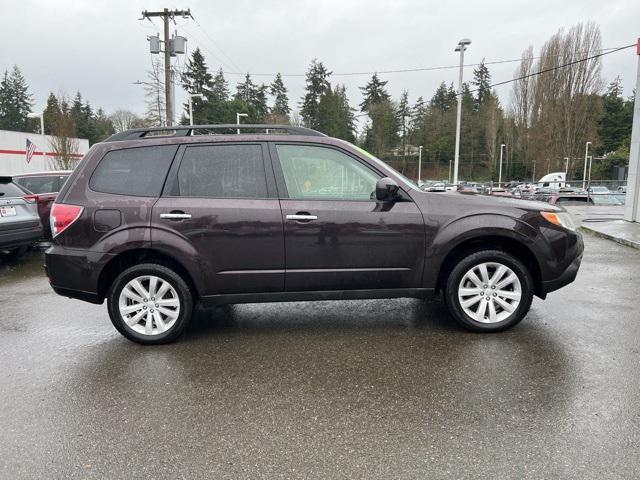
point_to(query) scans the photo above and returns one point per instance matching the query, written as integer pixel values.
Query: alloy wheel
(489, 292)
(149, 305)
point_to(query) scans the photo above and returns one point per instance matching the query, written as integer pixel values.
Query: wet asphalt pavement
(361, 389)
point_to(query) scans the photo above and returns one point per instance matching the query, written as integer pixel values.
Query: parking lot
(361, 389)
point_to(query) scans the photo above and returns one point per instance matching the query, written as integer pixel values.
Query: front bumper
(569, 274)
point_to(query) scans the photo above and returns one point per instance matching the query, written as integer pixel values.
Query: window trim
(282, 186)
(171, 186)
(164, 181)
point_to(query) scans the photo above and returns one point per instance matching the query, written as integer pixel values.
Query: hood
(488, 201)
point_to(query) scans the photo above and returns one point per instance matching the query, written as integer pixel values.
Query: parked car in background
(501, 192)
(622, 189)
(155, 223)
(20, 225)
(437, 187)
(599, 189)
(44, 188)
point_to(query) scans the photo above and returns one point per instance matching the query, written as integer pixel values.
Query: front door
(220, 205)
(337, 236)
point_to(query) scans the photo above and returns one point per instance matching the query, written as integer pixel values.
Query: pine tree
(245, 91)
(615, 125)
(196, 77)
(219, 88)
(15, 101)
(444, 98)
(482, 83)
(280, 99)
(345, 115)
(382, 133)
(51, 113)
(317, 83)
(373, 92)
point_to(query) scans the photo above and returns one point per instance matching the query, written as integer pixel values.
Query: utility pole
(586, 158)
(500, 170)
(462, 46)
(632, 204)
(419, 164)
(167, 15)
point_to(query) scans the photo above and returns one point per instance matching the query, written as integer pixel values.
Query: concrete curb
(608, 236)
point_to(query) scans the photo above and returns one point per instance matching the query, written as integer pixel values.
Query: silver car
(20, 225)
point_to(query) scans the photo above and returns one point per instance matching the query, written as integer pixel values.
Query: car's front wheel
(489, 291)
(150, 304)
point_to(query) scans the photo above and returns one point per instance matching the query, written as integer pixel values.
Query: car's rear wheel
(150, 304)
(489, 291)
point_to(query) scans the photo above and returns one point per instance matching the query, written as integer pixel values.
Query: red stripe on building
(48, 154)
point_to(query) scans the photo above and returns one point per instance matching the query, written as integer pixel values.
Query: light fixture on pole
(191, 97)
(238, 115)
(462, 46)
(419, 164)
(584, 174)
(500, 169)
(41, 117)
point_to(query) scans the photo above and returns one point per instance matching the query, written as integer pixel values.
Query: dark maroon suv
(155, 220)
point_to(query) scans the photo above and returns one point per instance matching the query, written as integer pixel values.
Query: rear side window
(138, 172)
(44, 184)
(10, 190)
(222, 171)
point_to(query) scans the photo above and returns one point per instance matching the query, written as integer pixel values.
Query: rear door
(221, 199)
(337, 236)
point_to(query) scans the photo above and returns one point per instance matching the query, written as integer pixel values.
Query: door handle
(175, 215)
(302, 217)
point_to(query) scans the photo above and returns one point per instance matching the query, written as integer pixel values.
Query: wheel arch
(137, 256)
(492, 242)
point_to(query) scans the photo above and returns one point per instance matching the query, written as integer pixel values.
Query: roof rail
(189, 130)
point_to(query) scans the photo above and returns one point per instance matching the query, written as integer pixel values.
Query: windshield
(376, 160)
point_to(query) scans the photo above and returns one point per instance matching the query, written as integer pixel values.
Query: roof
(220, 129)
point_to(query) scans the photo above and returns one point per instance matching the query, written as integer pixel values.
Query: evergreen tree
(317, 82)
(254, 97)
(482, 83)
(15, 101)
(444, 98)
(219, 88)
(335, 116)
(51, 113)
(373, 92)
(280, 99)
(382, 133)
(196, 77)
(615, 126)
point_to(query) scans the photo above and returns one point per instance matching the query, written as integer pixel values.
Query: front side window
(222, 171)
(312, 172)
(133, 171)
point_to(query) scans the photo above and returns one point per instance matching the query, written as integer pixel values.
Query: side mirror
(386, 190)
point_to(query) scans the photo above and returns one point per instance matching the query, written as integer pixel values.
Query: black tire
(456, 275)
(168, 275)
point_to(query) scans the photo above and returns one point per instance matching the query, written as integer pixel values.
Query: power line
(214, 43)
(417, 69)
(557, 67)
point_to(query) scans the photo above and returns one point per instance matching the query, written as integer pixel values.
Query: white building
(13, 152)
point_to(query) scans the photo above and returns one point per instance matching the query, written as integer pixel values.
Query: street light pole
(462, 46)
(590, 164)
(502, 145)
(566, 167)
(191, 97)
(584, 174)
(419, 164)
(238, 115)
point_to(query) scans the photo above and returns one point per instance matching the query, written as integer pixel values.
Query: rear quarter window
(10, 190)
(138, 172)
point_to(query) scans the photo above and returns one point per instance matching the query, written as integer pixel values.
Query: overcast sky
(99, 47)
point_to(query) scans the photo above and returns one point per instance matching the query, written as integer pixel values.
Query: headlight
(562, 219)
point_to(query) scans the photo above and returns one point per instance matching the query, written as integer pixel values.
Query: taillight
(31, 198)
(62, 216)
